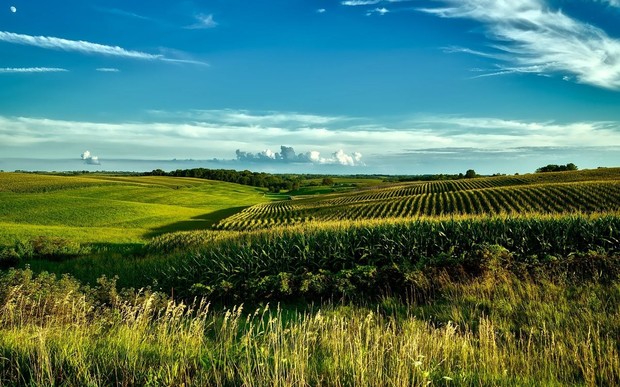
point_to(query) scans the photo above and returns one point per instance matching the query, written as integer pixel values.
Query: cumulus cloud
(32, 70)
(287, 155)
(90, 159)
(534, 38)
(321, 10)
(203, 22)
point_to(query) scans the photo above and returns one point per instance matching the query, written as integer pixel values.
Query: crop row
(285, 258)
(546, 199)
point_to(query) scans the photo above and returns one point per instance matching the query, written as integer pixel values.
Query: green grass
(114, 209)
(443, 298)
(492, 330)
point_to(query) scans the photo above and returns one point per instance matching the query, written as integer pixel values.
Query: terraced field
(551, 193)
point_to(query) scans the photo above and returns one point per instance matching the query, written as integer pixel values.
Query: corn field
(436, 199)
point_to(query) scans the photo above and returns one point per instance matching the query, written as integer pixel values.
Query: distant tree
(327, 181)
(470, 174)
(571, 167)
(557, 168)
(158, 172)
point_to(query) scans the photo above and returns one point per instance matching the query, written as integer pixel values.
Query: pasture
(114, 209)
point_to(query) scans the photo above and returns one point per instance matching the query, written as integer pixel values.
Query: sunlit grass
(491, 330)
(114, 209)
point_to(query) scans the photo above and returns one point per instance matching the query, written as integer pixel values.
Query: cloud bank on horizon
(287, 155)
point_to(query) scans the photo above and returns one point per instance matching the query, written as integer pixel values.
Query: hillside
(544, 193)
(114, 208)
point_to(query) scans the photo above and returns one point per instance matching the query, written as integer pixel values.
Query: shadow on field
(201, 222)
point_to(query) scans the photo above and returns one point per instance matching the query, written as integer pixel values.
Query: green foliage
(557, 168)
(40, 248)
(574, 192)
(470, 174)
(328, 181)
(275, 183)
(491, 330)
(361, 260)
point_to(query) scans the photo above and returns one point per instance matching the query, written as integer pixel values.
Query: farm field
(562, 192)
(506, 280)
(108, 209)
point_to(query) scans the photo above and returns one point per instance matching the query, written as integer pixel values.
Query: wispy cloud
(613, 3)
(85, 47)
(81, 46)
(534, 38)
(108, 70)
(357, 3)
(251, 118)
(203, 22)
(321, 10)
(381, 11)
(121, 12)
(32, 70)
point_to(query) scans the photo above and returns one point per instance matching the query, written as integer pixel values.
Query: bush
(8, 257)
(41, 247)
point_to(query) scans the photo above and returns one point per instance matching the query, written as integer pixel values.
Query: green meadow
(167, 281)
(108, 209)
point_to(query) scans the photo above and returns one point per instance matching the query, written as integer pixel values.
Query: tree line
(274, 183)
(557, 168)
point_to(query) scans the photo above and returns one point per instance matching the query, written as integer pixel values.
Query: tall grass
(495, 329)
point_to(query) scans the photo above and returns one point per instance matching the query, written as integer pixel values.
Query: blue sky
(357, 86)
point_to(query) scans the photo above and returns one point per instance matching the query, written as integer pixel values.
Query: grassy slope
(113, 209)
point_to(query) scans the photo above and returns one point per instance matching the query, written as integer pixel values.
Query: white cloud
(90, 159)
(321, 10)
(203, 22)
(245, 117)
(534, 38)
(613, 3)
(108, 70)
(381, 11)
(73, 45)
(355, 3)
(288, 155)
(116, 11)
(208, 138)
(32, 70)
(13, 9)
